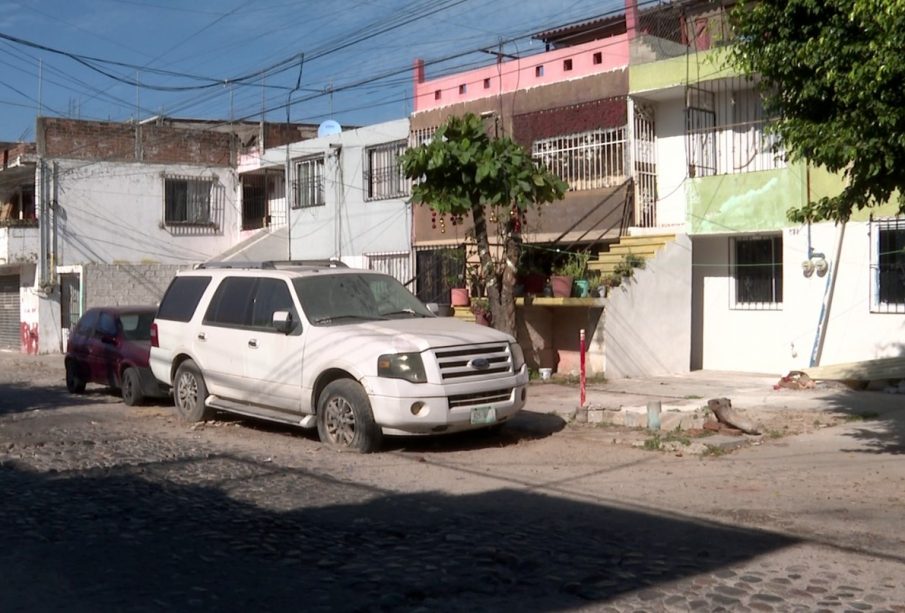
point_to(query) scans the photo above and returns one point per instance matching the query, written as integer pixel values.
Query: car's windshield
(137, 326)
(350, 298)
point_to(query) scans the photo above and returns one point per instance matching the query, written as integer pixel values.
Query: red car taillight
(154, 342)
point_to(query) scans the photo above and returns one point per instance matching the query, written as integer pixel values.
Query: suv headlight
(406, 366)
(518, 356)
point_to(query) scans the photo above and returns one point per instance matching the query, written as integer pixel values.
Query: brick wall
(122, 142)
(572, 119)
(127, 284)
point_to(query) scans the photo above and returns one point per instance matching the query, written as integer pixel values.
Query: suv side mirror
(282, 321)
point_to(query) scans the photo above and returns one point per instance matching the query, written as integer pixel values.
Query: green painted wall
(748, 201)
(826, 183)
(679, 71)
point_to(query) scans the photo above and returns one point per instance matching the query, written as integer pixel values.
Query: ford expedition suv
(316, 344)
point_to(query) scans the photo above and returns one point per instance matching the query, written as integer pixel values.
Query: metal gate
(10, 316)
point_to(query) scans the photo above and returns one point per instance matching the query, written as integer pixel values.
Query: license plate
(483, 415)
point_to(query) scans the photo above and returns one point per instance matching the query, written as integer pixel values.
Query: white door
(273, 359)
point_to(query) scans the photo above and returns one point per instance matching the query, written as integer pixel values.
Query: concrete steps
(644, 246)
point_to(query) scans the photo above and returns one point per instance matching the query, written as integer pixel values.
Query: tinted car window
(137, 326)
(272, 295)
(182, 297)
(231, 304)
(86, 323)
(106, 325)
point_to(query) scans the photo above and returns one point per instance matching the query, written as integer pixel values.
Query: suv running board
(253, 410)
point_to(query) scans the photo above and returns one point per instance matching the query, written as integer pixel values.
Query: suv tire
(74, 383)
(344, 418)
(189, 392)
(131, 388)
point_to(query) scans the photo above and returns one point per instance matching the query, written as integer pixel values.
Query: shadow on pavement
(16, 397)
(140, 538)
(878, 419)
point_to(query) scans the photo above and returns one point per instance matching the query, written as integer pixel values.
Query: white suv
(350, 351)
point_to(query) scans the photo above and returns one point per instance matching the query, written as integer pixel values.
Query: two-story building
(105, 213)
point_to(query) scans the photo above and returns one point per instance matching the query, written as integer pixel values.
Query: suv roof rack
(273, 264)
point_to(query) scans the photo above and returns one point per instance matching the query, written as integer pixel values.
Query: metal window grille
(888, 266)
(588, 160)
(309, 183)
(383, 174)
(645, 161)
(726, 131)
(397, 264)
(187, 200)
(421, 136)
(757, 272)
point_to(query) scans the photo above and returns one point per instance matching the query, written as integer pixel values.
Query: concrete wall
(550, 337)
(126, 284)
(114, 212)
(19, 244)
(648, 317)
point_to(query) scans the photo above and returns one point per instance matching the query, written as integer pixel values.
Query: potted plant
(575, 266)
(481, 309)
(455, 277)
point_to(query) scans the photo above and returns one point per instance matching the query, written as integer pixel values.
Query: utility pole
(288, 170)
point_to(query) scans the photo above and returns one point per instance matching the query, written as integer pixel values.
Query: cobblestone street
(107, 507)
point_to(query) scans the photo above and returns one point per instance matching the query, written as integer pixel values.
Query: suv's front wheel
(190, 392)
(344, 418)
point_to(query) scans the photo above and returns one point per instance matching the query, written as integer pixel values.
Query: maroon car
(110, 346)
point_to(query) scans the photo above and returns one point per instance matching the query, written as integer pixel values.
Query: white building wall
(672, 164)
(777, 341)
(347, 226)
(112, 212)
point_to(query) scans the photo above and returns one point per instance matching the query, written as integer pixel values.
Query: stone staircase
(644, 245)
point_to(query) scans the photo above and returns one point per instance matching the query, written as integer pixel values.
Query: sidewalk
(686, 394)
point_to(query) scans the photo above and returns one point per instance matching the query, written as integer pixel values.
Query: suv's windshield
(351, 298)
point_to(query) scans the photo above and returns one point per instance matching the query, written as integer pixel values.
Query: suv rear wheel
(189, 392)
(344, 418)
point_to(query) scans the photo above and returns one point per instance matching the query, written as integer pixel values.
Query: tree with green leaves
(832, 75)
(463, 172)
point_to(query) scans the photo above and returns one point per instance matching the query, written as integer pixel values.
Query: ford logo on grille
(480, 363)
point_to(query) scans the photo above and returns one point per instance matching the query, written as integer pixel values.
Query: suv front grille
(488, 397)
(474, 361)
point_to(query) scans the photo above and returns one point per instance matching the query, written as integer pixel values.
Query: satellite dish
(329, 127)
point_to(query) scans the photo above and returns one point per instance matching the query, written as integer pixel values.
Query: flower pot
(582, 288)
(458, 296)
(562, 286)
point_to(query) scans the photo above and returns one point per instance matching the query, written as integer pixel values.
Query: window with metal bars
(187, 200)
(888, 278)
(726, 131)
(383, 174)
(587, 160)
(309, 183)
(756, 264)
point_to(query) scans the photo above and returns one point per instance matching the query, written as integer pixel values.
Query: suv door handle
(253, 343)
(201, 336)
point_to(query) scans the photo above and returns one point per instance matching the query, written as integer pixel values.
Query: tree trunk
(499, 274)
